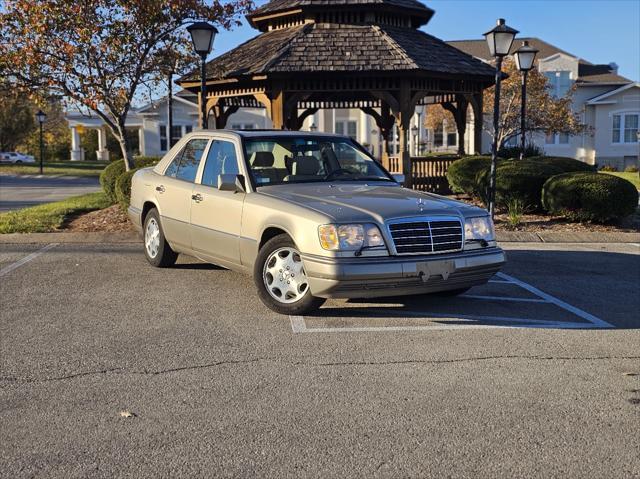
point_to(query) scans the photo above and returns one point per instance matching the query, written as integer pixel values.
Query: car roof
(268, 133)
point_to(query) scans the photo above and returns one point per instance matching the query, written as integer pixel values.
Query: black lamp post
(414, 131)
(499, 39)
(41, 117)
(525, 56)
(202, 36)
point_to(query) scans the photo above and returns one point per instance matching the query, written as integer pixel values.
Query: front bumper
(398, 275)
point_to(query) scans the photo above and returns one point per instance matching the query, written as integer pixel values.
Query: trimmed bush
(111, 173)
(519, 180)
(123, 188)
(462, 173)
(567, 165)
(514, 151)
(591, 196)
(108, 179)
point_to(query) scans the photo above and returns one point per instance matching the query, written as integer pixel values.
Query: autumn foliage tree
(101, 54)
(545, 113)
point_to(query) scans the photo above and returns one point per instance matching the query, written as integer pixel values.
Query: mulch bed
(109, 220)
(113, 219)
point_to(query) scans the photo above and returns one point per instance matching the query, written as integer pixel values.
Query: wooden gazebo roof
(367, 54)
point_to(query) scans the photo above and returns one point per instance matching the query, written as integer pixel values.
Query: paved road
(17, 191)
(535, 375)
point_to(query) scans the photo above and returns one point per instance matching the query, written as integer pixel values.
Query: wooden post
(476, 104)
(404, 124)
(277, 110)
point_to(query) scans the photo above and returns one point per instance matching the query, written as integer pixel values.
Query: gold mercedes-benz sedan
(311, 216)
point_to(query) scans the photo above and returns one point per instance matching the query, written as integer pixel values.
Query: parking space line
(558, 302)
(504, 298)
(8, 269)
(298, 323)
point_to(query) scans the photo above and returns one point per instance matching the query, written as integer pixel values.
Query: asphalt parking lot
(22, 191)
(536, 374)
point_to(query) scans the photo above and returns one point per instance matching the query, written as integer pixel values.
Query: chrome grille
(426, 236)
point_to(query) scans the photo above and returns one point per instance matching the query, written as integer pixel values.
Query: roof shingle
(315, 48)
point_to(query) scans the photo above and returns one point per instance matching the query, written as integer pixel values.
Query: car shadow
(600, 284)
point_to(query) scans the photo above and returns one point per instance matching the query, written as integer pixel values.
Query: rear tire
(281, 280)
(156, 248)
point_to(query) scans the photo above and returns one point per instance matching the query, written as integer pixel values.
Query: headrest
(263, 159)
(305, 165)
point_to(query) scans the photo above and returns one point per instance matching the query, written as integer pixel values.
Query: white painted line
(558, 302)
(298, 325)
(499, 281)
(504, 298)
(8, 269)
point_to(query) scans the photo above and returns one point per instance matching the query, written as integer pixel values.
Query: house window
(348, 128)
(559, 83)
(243, 126)
(188, 129)
(163, 137)
(176, 134)
(557, 139)
(452, 139)
(625, 128)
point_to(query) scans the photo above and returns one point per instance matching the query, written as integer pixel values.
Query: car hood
(348, 202)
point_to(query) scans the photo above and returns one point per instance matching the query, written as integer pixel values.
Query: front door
(174, 192)
(216, 216)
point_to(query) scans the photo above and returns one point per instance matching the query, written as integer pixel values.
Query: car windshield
(293, 159)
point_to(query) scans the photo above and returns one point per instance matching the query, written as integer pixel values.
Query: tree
(436, 117)
(544, 112)
(103, 54)
(16, 118)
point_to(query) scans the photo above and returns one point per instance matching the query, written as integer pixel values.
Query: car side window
(221, 160)
(190, 159)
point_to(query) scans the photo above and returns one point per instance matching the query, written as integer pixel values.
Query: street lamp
(41, 117)
(414, 131)
(202, 36)
(499, 39)
(525, 56)
(313, 127)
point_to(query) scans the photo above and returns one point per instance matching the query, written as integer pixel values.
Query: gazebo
(364, 54)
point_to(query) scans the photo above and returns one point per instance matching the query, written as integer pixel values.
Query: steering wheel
(339, 171)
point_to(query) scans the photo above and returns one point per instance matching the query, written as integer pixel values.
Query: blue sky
(600, 31)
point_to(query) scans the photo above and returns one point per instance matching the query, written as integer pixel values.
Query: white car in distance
(15, 157)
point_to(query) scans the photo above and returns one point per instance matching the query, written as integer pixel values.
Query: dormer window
(559, 83)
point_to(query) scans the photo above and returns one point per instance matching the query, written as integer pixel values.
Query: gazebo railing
(428, 173)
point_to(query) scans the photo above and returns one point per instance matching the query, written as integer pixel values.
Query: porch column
(102, 154)
(141, 144)
(77, 153)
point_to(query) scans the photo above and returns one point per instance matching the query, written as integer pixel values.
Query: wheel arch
(271, 232)
(146, 207)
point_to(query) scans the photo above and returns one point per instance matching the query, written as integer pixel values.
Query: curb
(502, 236)
(87, 238)
(567, 237)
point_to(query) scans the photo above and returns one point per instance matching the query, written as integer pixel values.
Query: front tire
(281, 279)
(156, 248)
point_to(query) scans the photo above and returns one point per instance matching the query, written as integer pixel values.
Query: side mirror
(399, 178)
(233, 183)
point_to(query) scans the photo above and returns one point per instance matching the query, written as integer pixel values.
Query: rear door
(174, 191)
(216, 216)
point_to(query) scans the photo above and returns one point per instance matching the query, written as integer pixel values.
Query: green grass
(50, 217)
(75, 168)
(632, 177)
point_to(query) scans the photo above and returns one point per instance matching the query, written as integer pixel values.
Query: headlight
(349, 237)
(480, 228)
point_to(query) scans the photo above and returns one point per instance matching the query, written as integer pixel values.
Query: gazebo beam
(459, 112)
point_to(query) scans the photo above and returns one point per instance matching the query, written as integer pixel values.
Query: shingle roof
(339, 48)
(587, 72)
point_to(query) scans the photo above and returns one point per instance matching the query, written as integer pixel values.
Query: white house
(609, 105)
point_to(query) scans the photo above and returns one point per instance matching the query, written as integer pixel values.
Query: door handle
(160, 188)
(197, 197)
